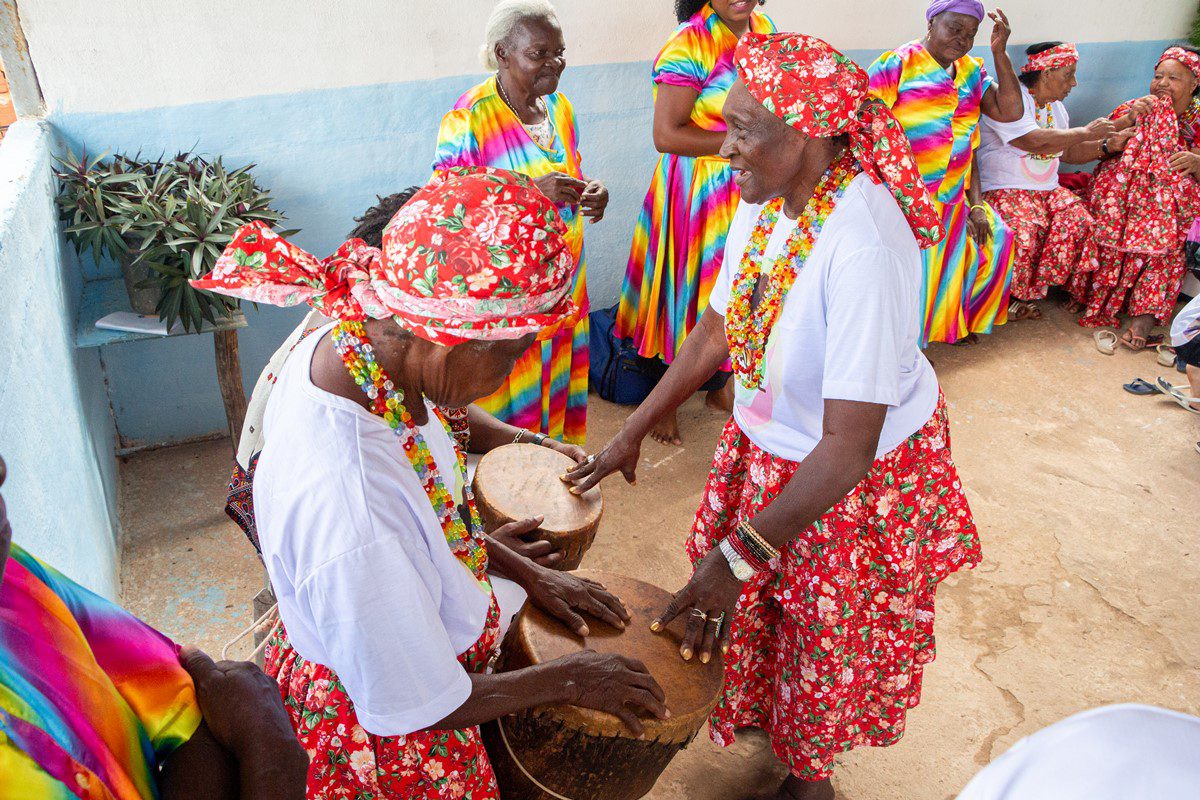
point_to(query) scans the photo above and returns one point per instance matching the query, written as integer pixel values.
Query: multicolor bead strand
(357, 353)
(748, 329)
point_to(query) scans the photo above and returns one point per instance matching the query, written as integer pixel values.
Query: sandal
(1128, 340)
(1018, 310)
(1176, 394)
(1106, 342)
(1166, 355)
(1141, 388)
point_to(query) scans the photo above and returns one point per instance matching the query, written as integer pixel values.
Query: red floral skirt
(1134, 284)
(1053, 241)
(347, 763)
(828, 649)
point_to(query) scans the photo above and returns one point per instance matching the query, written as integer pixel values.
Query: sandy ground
(1088, 503)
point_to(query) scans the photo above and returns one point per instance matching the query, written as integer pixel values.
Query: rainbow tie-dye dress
(966, 288)
(680, 236)
(547, 391)
(92, 699)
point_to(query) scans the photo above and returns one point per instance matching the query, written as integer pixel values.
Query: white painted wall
(118, 55)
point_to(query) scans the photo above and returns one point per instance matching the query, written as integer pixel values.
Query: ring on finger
(698, 613)
(590, 459)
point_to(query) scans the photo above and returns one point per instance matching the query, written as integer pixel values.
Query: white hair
(505, 18)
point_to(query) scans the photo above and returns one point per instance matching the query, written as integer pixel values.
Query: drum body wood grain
(581, 754)
(519, 481)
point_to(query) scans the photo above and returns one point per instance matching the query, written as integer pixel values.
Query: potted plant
(165, 222)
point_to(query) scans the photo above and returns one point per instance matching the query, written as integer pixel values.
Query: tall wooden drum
(519, 481)
(564, 752)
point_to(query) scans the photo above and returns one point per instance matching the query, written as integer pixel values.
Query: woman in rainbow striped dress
(680, 235)
(938, 91)
(517, 120)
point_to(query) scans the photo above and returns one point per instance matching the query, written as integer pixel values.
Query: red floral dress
(1053, 241)
(347, 763)
(1143, 210)
(829, 646)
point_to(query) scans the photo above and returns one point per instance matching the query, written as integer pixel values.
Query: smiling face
(951, 36)
(734, 11)
(1055, 84)
(533, 56)
(1172, 79)
(765, 154)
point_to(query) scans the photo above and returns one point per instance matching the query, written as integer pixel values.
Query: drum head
(692, 688)
(519, 481)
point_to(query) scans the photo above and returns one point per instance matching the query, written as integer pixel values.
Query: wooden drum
(519, 481)
(557, 752)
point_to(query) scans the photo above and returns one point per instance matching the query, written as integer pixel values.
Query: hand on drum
(566, 597)
(620, 454)
(709, 601)
(616, 684)
(538, 551)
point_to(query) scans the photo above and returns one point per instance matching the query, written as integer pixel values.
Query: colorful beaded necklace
(747, 329)
(1047, 125)
(355, 349)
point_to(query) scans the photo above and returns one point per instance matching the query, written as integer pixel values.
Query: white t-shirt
(1109, 753)
(1003, 166)
(847, 330)
(1187, 323)
(366, 583)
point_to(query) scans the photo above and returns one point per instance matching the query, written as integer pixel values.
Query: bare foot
(667, 430)
(969, 339)
(721, 399)
(795, 789)
(1071, 306)
(1138, 333)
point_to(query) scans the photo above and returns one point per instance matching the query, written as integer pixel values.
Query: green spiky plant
(171, 216)
(1194, 33)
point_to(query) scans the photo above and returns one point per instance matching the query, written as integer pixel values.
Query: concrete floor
(1088, 502)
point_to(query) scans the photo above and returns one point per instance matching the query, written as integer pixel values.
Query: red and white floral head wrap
(1185, 57)
(822, 93)
(478, 253)
(1063, 55)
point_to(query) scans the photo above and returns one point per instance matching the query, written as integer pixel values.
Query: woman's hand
(538, 551)
(709, 600)
(563, 190)
(1101, 128)
(563, 596)
(978, 227)
(595, 200)
(622, 453)
(1141, 107)
(1001, 30)
(1118, 142)
(616, 684)
(571, 451)
(1186, 162)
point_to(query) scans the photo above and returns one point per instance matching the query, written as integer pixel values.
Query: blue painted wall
(326, 154)
(56, 432)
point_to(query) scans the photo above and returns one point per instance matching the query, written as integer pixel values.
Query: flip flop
(1141, 388)
(1166, 355)
(1151, 341)
(1176, 394)
(1106, 342)
(1018, 310)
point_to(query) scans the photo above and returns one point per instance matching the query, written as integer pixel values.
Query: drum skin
(583, 754)
(519, 481)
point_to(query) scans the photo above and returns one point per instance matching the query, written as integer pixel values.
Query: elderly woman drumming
(517, 120)
(1144, 197)
(833, 508)
(1018, 164)
(368, 529)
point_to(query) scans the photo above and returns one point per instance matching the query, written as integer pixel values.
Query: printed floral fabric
(828, 648)
(478, 253)
(1143, 210)
(1052, 239)
(1064, 55)
(821, 92)
(347, 763)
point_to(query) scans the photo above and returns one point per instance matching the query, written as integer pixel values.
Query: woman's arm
(1044, 140)
(977, 220)
(1003, 104)
(488, 433)
(702, 354)
(673, 128)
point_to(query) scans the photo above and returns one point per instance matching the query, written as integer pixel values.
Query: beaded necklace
(542, 132)
(355, 349)
(747, 329)
(1047, 125)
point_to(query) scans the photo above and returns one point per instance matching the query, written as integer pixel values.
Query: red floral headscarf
(822, 93)
(1063, 55)
(1185, 57)
(478, 253)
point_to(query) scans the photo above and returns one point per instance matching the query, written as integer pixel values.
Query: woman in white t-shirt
(368, 530)
(1018, 166)
(833, 508)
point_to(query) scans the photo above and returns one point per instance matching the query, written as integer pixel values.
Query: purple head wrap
(972, 8)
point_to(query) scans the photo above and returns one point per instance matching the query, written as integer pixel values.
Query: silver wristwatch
(737, 565)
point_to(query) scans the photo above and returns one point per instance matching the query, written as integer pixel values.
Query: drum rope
(520, 766)
(270, 618)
